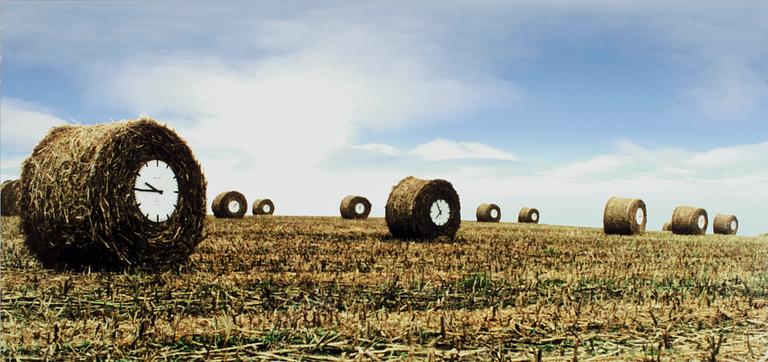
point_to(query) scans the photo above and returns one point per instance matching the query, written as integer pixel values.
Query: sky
(557, 105)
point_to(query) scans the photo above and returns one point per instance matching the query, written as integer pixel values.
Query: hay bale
(667, 226)
(488, 213)
(82, 207)
(229, 205)
(689, 220)
(355, 207)
(10, 190)
(263, 207)
(528, 215)
(725, 224)
(423, 209)
(624, 216)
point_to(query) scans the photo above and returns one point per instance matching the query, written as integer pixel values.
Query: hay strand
(488, 213)
(263, 207)
(229, 205)
(423, 209)
(725, 224)
(355, 207)
(10, 191)
(624, 216)
(528, 215)
(689, 220)
(79, 201)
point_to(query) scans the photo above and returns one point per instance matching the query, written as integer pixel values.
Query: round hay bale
(624, 216)
(528, 215)
(423, 209)
(725, 224)
(689, 220)
(667, 226)
(10, 190)
(263, 207)
(112, 196)
(488, 213)
(229, 205)
(355, 207)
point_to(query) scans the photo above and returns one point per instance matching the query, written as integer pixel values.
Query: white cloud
(378, 148)
(22, 126)
(442, 149)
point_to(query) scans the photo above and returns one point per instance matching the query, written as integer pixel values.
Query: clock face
(494, 213)
(734, 224)
(639, 216)
(440, 212)
(266, 208)
(534, 216)
(702, 221)
(359, 208)
(233, 206)
(156, 191)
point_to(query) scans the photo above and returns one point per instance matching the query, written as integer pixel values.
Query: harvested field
(291, 288)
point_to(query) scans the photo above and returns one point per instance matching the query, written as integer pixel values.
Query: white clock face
(534, 216)
(266, 208)
(440, 212)
(359, 208)
(639, 216)
(734, 225)
(233, 206)
(702, 221)
(494, 213)
(156, 191)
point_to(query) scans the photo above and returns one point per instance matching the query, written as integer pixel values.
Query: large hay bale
(667, 226)
(528, 215)
(488, 213)
(423, 209)
(10, 190)
(263, 207)
(689, 220)
(725, 224)
(229, 205)
(355, 207)
(624, 216)
(113, 196)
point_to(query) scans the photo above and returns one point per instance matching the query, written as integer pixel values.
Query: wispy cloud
(442, 149)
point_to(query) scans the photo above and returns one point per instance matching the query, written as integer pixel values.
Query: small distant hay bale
(229, 205)
(488, 213)
(355, 207)
(79, 198)
(667, 226)
(624, 216)
(10, 190)
(423, 209)
(528, 215)
(263, 207)
(725, 224)
(689, 220)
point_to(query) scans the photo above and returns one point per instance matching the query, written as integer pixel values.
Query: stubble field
(301, 288)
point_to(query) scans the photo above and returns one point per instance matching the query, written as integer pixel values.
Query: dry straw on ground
(79, 203)
(624, 216)
(689, 220)
(488, 213)
(263, 207)
(528, 215)
(411, 202)
(355, 207)
(9, 197)
(725, 224)
(229, 205)
(667, 226)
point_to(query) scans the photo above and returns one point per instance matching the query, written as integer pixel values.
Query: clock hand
(148, 190)
(153, 188)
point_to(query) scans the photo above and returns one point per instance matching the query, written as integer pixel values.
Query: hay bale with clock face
(112, 196)
(263, 207)
(528, 215)
(355, 207)
(488, 213)
(624, 216)
(9, 197)
(229, 205)
(725, 224)
(689, 220)
(423, 209)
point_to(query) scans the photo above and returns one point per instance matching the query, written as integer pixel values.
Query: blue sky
(552, 104)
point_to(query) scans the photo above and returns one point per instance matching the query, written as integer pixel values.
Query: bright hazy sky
(550, 104)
